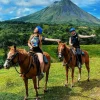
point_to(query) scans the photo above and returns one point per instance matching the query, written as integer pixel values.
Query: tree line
(18, 33)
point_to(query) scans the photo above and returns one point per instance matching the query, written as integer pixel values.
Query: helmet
(72, 29)
(39, 29)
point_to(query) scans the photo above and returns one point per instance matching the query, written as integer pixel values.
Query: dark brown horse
(70, 59)
(28, 69)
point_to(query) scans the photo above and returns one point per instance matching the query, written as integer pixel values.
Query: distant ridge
(60, 12)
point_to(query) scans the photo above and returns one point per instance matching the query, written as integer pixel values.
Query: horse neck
(23, 58)
(67, 53)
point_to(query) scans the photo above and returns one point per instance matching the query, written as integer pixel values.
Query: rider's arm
(49, 39)
(29, 43)
(86, 36)
(70, 44)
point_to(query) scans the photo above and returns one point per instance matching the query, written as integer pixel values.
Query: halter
(61, 54)
(11, 61)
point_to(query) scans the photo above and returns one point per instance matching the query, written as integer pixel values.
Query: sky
(11, 9)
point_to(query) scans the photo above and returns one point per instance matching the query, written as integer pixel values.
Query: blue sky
(10, 9)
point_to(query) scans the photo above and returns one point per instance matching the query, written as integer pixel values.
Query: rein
(69, 59)
(24, 73)
(11, 60)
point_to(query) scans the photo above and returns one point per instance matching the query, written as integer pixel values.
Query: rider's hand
(93, 35)
(31, 47)
(58, 40)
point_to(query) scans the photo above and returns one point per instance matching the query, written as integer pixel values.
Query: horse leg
(72, 75)
(38, 83)
(79, 75)
(26, 88)
(66, 68)
(88, 69)
(46, 80)
(35, 86)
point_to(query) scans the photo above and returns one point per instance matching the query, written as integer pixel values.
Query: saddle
(36, 61)
(78, 53)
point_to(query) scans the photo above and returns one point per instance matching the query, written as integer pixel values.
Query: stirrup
(45, 59)
(41, 76)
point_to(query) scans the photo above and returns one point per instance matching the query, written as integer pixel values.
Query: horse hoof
(38, 87)
(45, 91)
(66, 85)
(25, 98)
(88, 80)
(72, 86)
(78, 80)
(37, 98)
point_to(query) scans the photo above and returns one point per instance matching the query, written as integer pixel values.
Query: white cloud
(4, 1)
(24, 11)
(94, 9)
(1, 19)
(85, 2)
(19, 8)
(6, 11)
(0, 9)
(34, 2)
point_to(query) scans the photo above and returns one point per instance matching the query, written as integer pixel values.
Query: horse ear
(9, 47)
(59, 42)
(65, 44)
(14, 47)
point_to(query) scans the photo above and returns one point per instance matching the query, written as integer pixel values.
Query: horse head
(12, 57)
(61, 49)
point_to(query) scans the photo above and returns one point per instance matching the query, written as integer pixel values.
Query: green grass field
(12, 86)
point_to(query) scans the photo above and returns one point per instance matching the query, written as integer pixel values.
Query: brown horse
(70, 58)
(28, 68)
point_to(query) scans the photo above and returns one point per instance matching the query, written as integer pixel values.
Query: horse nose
(60, 57)
(5, 65)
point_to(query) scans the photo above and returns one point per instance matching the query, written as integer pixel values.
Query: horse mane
(23, 51)
(68, 47)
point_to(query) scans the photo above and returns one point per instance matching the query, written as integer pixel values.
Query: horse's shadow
(57, 93)
(64, 93)
(10, 96)
(86, 86)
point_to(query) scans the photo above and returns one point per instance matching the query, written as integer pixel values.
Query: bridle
(10, 60)
(61, 54)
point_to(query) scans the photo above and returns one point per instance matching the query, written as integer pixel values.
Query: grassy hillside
(12, 86)
(93, 50)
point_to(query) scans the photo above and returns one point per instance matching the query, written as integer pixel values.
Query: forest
(18, 33)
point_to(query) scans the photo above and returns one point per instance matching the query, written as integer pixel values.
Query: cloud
(7, 11)
(34, 2)
(24, 11)
(4, 1)
(94, 9)
(85, 2)
(19, 8)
